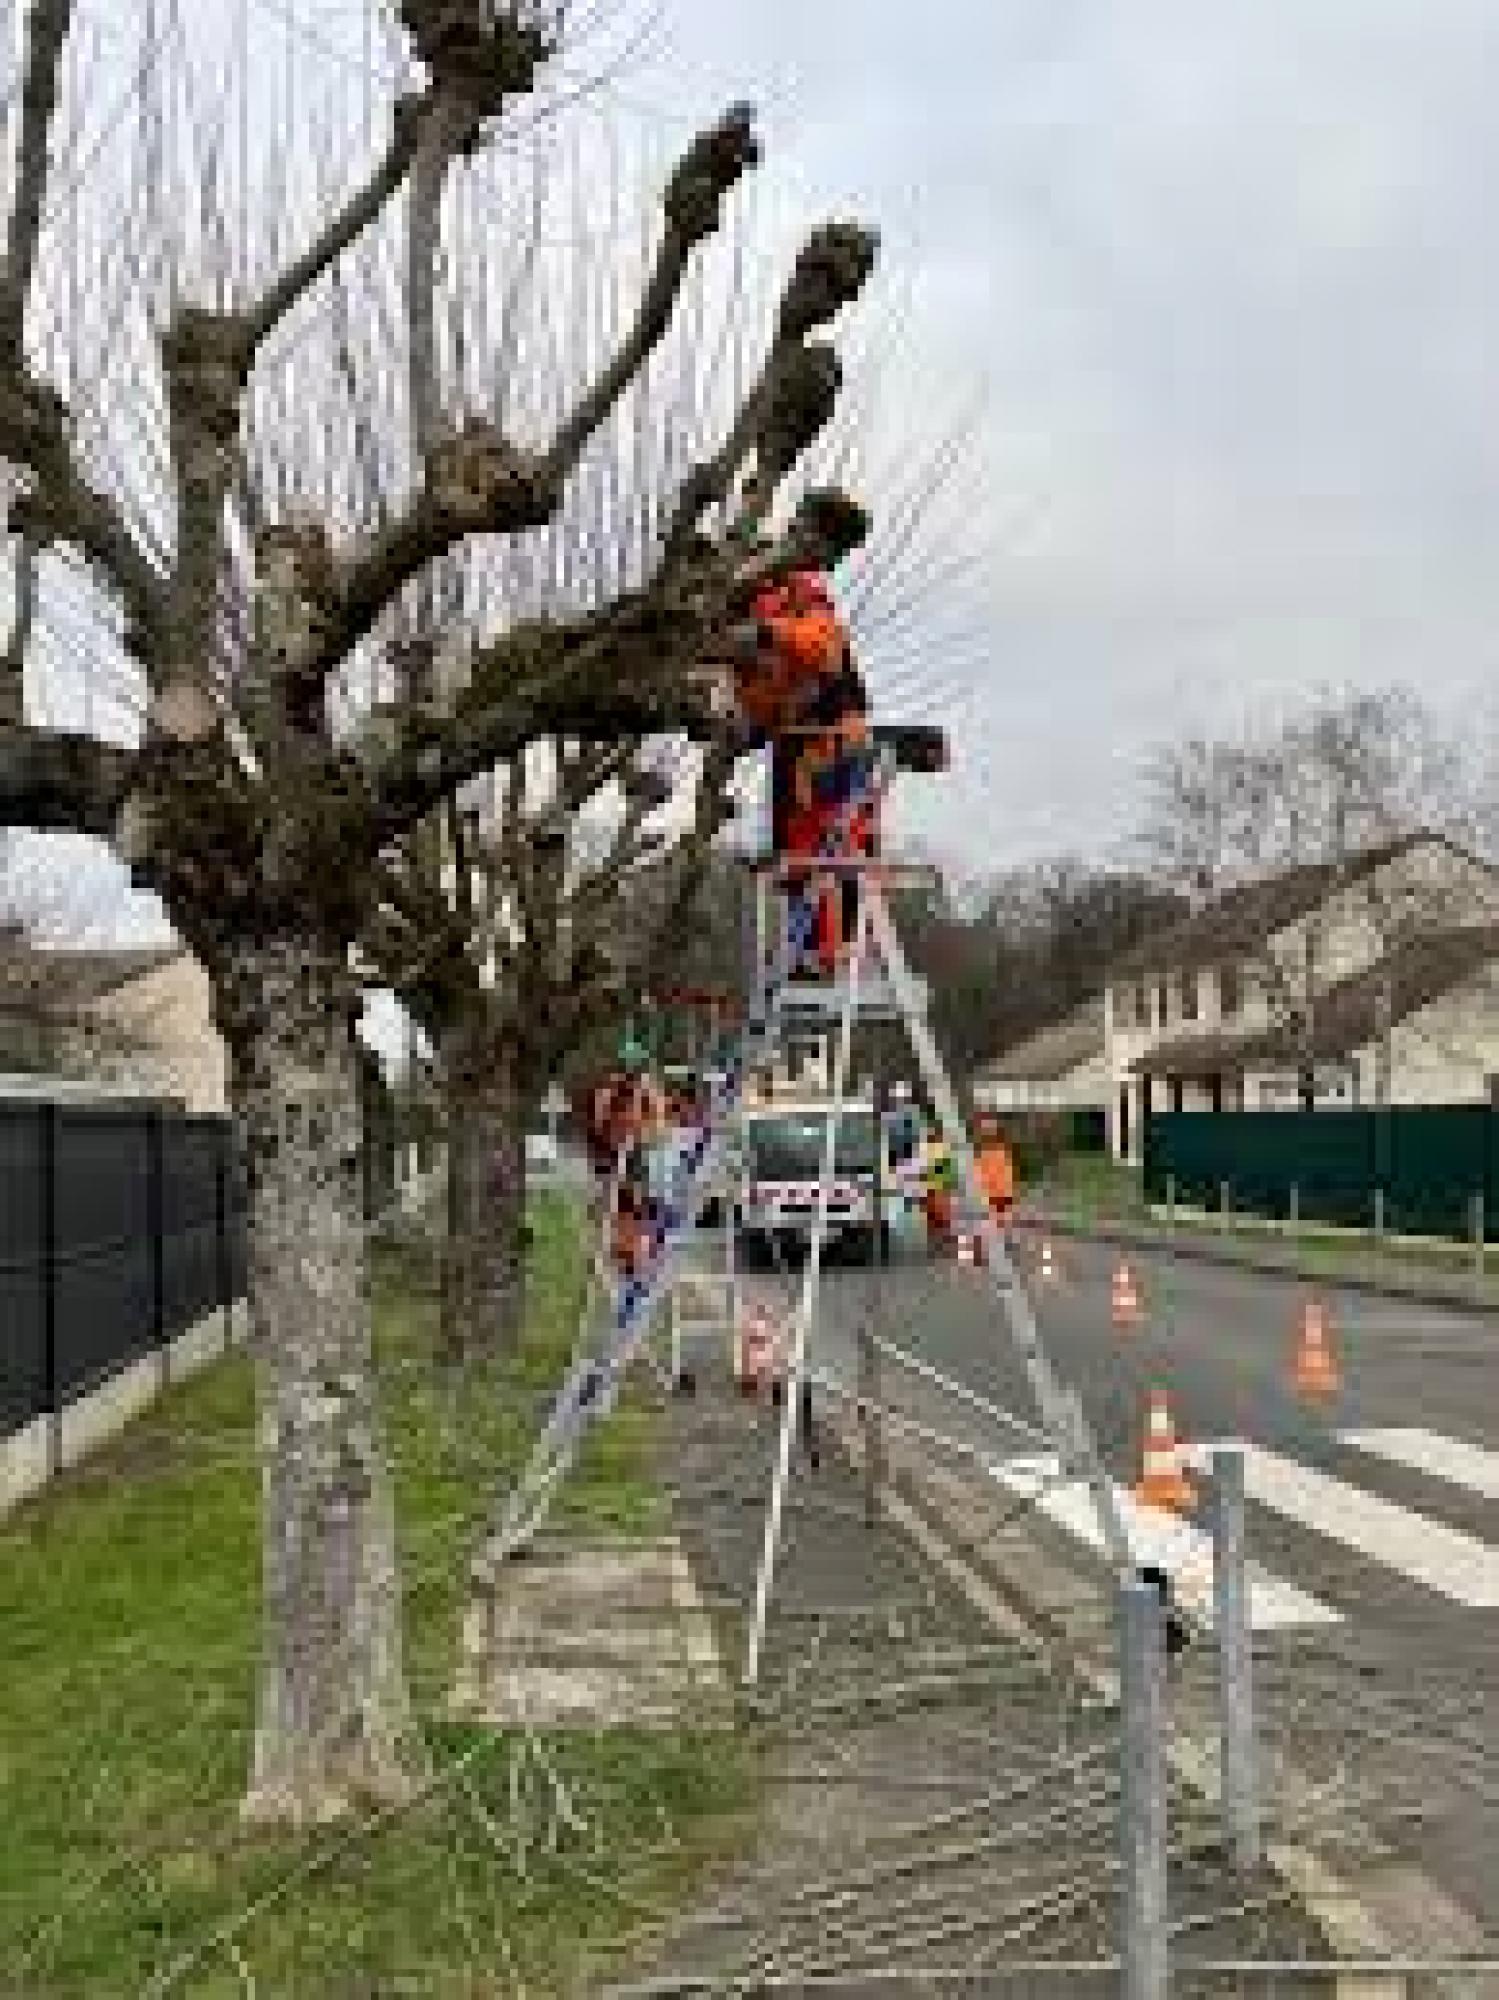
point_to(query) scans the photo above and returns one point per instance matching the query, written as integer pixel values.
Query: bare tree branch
(13, 661)
(62, 507)
(415, 117)
(714, 164)
(479, 483)
(57, 780)
(50, 22)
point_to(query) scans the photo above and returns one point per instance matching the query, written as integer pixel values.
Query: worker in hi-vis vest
(996, 1167)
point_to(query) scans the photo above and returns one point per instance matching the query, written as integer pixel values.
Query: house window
(1228, 991)
(1189, 996)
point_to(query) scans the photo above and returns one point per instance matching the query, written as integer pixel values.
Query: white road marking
(1451, 1459)
(1175, 1545)
(1439, 1558)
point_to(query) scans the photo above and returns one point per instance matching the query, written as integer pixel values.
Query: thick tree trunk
(334, 1727)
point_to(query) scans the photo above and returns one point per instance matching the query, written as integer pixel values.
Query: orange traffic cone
(1125, 1298)
(1313, 1371)
(1162, 1483)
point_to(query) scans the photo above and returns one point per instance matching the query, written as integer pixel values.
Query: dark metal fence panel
(23, 1302)
(190, 1222)
(147, 1212)
(1436, 1160)
(238, 1218)
(104, 1286)
(1429, 1160)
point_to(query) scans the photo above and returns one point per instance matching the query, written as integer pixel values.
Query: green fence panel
(1429, 1159)
(1261, 1155)
(1436, 1159)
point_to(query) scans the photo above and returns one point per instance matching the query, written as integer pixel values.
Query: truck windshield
(790, 1148)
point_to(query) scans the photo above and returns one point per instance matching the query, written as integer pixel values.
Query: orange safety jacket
(996, 1172)
(804, 647)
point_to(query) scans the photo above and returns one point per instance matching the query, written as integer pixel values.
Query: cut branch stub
(828, 525)
(802, 397)
(478, 54)
(295, 602)
(477, 477)
(832, 268)
(714, 164)
(207, 356)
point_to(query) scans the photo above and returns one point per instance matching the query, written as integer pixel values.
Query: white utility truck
(782, 1145)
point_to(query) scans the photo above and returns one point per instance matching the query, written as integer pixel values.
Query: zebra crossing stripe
(1185, 1552)
(1456, 1566)
(1452, 1460)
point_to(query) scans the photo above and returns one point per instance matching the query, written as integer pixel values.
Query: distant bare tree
(1347, 773)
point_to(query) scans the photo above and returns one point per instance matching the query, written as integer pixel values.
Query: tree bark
(464, 1206)
(500, 1271)
(334, 1728)
(483, 1287)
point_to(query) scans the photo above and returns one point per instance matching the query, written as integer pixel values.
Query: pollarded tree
(263, 834)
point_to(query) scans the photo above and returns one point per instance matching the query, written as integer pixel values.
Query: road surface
(1373, 1520)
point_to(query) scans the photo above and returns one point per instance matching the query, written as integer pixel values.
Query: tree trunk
(500, 1267)
(464, 1212)
(483, 1259)
(334, 1728)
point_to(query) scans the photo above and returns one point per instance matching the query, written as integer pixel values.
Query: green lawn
(128, 1606)
(1088, 1187)
(1324, 1251)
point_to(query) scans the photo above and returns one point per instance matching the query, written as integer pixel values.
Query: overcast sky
(1228, 274)
(1222, 277)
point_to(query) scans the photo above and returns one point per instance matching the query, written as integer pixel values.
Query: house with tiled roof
(1357, 980)
(135, 1020)
(1061, 1067)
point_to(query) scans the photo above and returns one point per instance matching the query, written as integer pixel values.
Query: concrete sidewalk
(941, 1782)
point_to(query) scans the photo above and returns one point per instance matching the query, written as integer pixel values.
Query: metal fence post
(51, 1372)
(1294, 1212)
(1171, 1201)
(1225, 1206)
(1379, 1219)
(1142, 1797)
(155, 1230)
(1476, 1224)
(1241, 1819)
(221, 1232)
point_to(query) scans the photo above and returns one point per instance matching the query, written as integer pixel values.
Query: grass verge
(1087, 1189)
(128, 1633)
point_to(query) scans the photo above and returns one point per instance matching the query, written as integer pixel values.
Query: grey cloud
(1227, 272)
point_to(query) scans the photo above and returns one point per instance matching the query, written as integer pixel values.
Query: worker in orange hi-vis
(636, 1123)
(797, 681)
(996, 1168)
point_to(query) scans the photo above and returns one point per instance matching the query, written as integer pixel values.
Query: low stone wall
(51, 1443)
